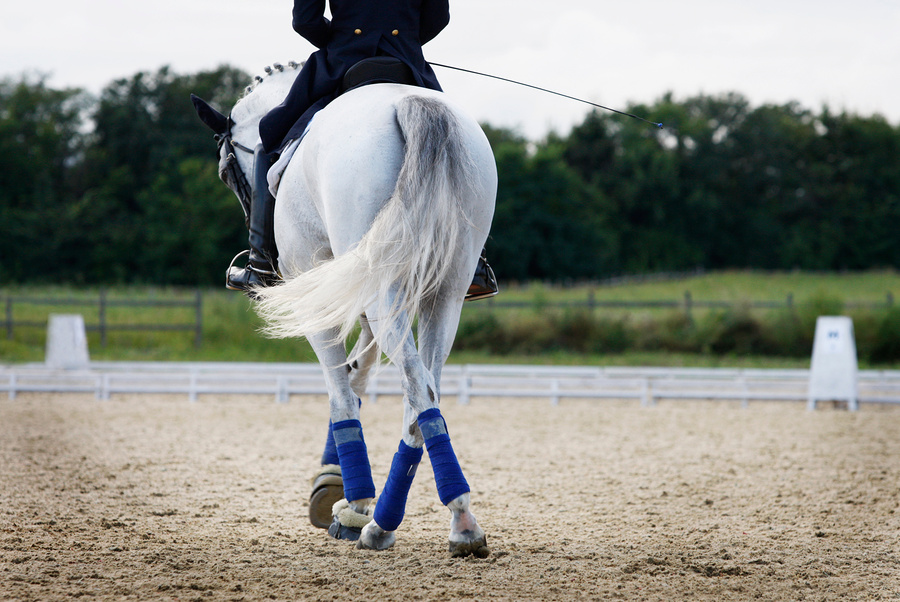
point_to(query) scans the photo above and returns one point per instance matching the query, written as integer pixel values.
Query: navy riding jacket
(358, 29)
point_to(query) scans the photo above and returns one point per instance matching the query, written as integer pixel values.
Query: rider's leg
(261, 264)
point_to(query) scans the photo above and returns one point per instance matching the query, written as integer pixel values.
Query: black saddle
(377, 70)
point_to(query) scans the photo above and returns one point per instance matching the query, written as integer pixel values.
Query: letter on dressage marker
(832, 374)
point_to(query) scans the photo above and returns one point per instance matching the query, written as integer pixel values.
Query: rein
(231, 173)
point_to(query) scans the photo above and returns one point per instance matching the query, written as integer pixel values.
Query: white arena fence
(464, 382)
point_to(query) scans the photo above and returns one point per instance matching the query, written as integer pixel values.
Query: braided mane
(271, 70)
(265, 92)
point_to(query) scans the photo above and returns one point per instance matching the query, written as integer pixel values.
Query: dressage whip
(512, 81)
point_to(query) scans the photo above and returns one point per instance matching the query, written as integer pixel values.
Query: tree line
(122, 187)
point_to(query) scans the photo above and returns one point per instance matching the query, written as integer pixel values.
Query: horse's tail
(407, 252)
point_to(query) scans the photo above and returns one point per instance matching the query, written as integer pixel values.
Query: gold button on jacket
(357, 31)
(395, 32)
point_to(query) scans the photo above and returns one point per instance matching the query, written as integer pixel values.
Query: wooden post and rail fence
(686, 303)
(102, 303)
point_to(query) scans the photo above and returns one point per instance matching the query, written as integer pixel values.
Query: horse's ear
(214, 120)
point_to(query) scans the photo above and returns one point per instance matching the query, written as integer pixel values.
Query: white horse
(380, 218)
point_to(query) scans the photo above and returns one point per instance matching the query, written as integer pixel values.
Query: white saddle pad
(273, 176)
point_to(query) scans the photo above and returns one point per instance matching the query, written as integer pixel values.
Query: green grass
(732, 286)
(230, 327)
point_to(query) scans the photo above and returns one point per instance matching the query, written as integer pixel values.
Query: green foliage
(40, 136)
(735, 332)
(674, 331)
(581, 331)
(191, 199)
(785, 333)
(886, 344)
(482, 332)
(134, 199)
(549, 223)
(122, 188)
(546, 321)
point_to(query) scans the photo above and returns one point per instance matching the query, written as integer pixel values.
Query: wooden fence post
(102, 317)
(9, 316)
(198, 333)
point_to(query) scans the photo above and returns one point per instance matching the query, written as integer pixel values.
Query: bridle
(231, 173)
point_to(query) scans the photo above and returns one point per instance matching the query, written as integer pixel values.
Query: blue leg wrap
(448, 475)
(354, 460)
(392, 501)
(330, 455)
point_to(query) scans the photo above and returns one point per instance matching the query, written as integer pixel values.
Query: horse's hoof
(327, 488)
(477, 548)
(339, 531)
(374, 537)
(347, 523)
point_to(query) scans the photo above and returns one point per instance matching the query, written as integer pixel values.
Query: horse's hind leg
(423, 425)
(437, 329)
(379, 534)
(345, 443)
(466, 536)
(363, 357)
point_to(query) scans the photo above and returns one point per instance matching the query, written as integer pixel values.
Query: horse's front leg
(345, 442)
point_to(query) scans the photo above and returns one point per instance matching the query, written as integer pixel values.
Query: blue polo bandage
(392, 501)
(330, 455)
(354, 460)
(448, 475)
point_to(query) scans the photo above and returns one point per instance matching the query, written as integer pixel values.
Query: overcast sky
(843, 54)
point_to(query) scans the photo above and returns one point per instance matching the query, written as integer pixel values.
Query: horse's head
(232, 169)
(238, 133)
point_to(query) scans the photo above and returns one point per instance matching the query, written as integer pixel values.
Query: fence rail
(648, 386)
(687, 303)
(102, 303)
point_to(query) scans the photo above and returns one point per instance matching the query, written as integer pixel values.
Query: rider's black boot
(261, 269)
(484, 283)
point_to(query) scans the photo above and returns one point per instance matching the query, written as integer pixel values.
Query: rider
(359, 29)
